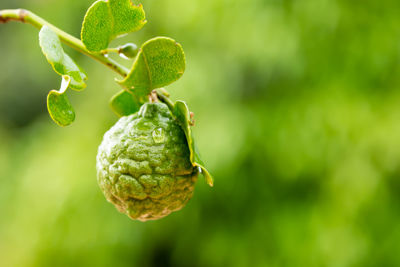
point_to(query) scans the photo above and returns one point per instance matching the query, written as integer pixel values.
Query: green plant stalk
(27, 16)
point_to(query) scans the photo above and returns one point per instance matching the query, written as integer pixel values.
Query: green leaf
(58, 105)
(182, 113)
(59, 60)
(106, 20)
(124, 103)
(160, 62)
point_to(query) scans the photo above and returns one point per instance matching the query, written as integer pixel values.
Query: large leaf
(59, 60)
(124, 103)
(160, 62)
(58, 105)
(106, 20)
(182, 113)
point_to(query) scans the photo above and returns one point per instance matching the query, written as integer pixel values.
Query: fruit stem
(27, 16)
(153, 97)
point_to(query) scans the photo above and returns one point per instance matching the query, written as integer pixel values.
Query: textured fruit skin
(143, 164)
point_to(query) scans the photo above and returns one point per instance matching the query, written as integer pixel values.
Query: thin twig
(27, 16)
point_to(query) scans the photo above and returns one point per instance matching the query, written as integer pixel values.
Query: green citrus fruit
(143, 164)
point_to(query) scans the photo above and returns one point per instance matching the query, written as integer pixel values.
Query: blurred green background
(297, 107)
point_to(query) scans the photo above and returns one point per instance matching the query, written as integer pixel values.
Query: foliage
(59, 60)
(160, 62)
(60, 109)
(181, 111)
(124, 103)
(106, 20)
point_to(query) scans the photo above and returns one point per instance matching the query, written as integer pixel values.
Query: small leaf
(124, 103)
(160, 62)
(59, 60)
(182, 113)
(106, 20)
(58, 105)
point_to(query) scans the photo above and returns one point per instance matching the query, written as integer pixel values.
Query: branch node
(22, 13)
(17, 15)
(2, 20)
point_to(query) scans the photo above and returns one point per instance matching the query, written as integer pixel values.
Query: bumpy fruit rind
(143, 164)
